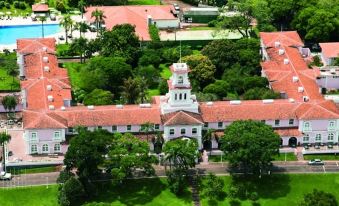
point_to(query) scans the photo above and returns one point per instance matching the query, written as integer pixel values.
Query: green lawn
(322, 156)
(196, 28)
(73, 69)
(285, 190)
(289, 157)
(143, 2)
(29, 196)
(6, 81)
(33, 170)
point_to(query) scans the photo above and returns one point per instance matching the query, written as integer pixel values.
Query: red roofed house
(140, 16)
(40, 9)
(302, 117)
(329, 52)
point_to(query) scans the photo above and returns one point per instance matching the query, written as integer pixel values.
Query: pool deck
(16, 21)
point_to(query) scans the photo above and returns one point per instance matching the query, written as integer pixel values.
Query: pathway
(195, 189)
(299, 153)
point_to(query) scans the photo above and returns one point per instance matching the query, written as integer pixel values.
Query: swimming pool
(9, 34)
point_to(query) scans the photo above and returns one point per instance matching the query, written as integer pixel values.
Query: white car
(5, 176)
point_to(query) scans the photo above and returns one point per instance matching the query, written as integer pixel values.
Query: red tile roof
(99, 116)
(37, 78)
(40, 7)
(288, 132)
(287, 38)
(330, 50)
(181, 118)
(135, 15)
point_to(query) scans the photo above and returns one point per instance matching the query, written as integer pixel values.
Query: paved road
(217, 168)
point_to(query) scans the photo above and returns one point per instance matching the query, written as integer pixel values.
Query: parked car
(316, 162)
(176, 8)
(5, 176)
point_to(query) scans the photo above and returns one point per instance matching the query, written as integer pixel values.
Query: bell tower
(179, 95)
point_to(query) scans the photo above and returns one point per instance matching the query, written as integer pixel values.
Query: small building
(329, 52)
(200, 15)
(40, 9)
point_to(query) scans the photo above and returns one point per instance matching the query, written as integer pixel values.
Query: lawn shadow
(186, 195)
(131, 192)
(267, 187)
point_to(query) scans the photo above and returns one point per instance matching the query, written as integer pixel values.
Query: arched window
(185, 96)
(57, 148)
(45, 148)
(180, 96)
(180, 80)
(175, 96)
(330, 137)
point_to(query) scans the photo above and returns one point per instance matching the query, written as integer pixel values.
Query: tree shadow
(131, 192)
(267, 187)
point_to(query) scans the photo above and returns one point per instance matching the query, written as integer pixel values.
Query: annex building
(302, 116)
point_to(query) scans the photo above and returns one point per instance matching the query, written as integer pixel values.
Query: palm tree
(13, 71)
(67, 23)
(42, 19)
(158, 142)
(99, 18)
(81, 6)
(130, 90)
(4, 138)
(82, 27)
(9, 102)
(207, 137)
(80, 46)
(147, 128)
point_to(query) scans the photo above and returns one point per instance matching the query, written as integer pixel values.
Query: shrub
(154, 32)
(60, 6)
(9, 1)
(2, 4)
(176, 181)
(212, 23)
(7, 5)
(72, 192)
(22, 5)
(253, 196)
(16, 4)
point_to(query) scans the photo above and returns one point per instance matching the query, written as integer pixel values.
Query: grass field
(285, 190)
(33, 170)
(143, 2)
(73, 73)
(289, 157)
(6, 81)
(278, 190)
(322, 156)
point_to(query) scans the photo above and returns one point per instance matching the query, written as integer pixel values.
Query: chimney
(49, 87)
(276, 44)
(45, 59)
(46, 68)
(50, 98)
(281, 51)
(90, 107)
(286, 61)
(51, 107)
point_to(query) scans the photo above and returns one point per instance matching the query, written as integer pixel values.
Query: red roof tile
(288, 132)
(135, 15)
(287, 38)
(181, 118)
(40, 7)
(330, 50)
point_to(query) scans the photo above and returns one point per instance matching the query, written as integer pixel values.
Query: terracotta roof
(40, 7)
(280, 75)
(330, 50)
(287, 38)
(224, 111)
(135, 15)
(42, 120)
(181, 118)
(288, 132)
(40, 74)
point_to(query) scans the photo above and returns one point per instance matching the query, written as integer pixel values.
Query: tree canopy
(250, 145)
(99, 97)
(319, 198)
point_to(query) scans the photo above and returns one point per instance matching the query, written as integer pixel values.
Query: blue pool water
(9, 34)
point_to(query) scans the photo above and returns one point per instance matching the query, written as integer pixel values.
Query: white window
(330, 137)
(171, 131)
(331, 125)
(57, 148)
(33, 137)
(114, 128)
(34, 148)
(183, 131)
(45, 148)
(57, 135)
(129, 127)
(318, 138)
(307, 126)
(220, 124)
(291, 121)
(194, 130)
(306, 138)
(277, 122)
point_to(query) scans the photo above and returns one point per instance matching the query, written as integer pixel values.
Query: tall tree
(319, 198)
(14, 72)
(98, 19)
(82, 27)
(4, 138)
(127, 154)
(147, 128)
(9, 102)
(82, 6)
(42, 20)
(99, 97)
(67, 23)
(130, 91)
(250, 145)
(79, 46)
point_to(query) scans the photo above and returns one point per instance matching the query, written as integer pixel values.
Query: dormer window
(180, 80)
